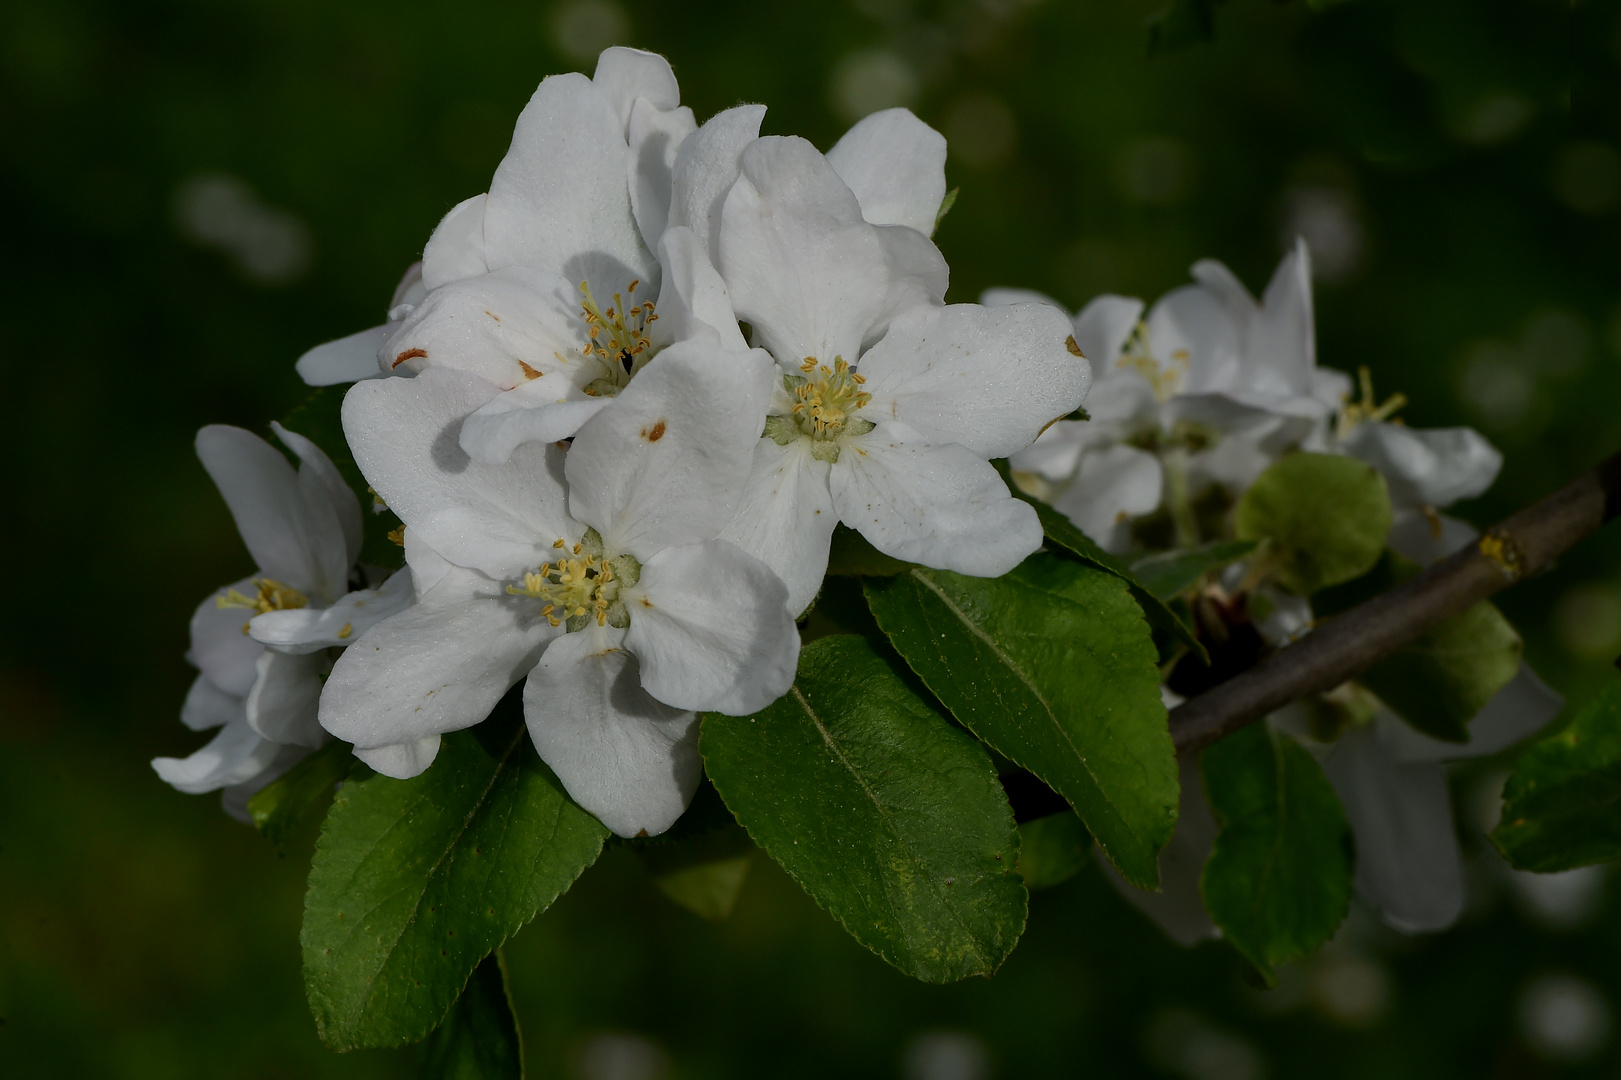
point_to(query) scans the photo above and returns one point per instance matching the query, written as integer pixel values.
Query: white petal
(207, 706)
(1114, 485)
(712, 630)
(693, 297)
(544, 410)
(706, 167)
(558, 201)
(1407, 862)
(293, 541)
(1330, 387)
(348, 359)
(1430, 467)
(307, 630)
(428, 567)
(220, 645)
(456, 249)
(810, 275)
(1178, 908)
(1227, 291)
(401, 760)
(896, 166)
(1000, 296)
(282, 706)
(234, 798)
(1520, 709)
(625, 74)
(667, 464)
(1055, 454)
(1189, 326)
(988, 378)
(233, 756)
(1428, 537)
(1121, 403)
(624, 756)
(1102, 327)
(787, 518)
(506, 327)
(655, 136)
(440, 665)
(1281, 347)
(322, 484)
(501, 519)
(939, 505)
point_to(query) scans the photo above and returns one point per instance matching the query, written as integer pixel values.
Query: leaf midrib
(894, 829)
(428, 878)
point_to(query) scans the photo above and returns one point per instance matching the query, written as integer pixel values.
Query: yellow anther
(1367, 409)
(557, 543)
(271, 596)
(617, 336)
(348, 629)
(1164, 380)
(397, 535)
(826, 400)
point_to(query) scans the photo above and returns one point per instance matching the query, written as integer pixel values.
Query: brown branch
(1346, 645)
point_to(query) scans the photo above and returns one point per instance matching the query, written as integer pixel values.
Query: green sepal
(1562, 805)
(415, 881)
(1170, 574)
(886, 813)
(704, 870)
(479, 1039)
(1278, 880)
(946, 204)
(1052, 849)
(1053, 666)
(319, 418)
(1324, 519)
(279, 809)
(1062, 533)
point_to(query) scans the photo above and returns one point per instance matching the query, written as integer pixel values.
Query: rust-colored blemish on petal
(408, 354)
(655, 433)
(1074, 349)
(528, 372)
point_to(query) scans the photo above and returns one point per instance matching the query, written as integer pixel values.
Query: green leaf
(1439, 682)
(279, 808)
(319, 419)
(1053, 666)
(704, 870)
(1562, 806)
(1325, 519)
(1062, 533)
(1278, 881)
(479, 1039)
(1170, 574)
(887, 814)
(1052, 849)
(415, 881)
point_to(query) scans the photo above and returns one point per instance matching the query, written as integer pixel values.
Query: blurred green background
(195, 192)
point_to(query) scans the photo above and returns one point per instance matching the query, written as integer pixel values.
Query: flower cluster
(621, 406)
(1190, 403)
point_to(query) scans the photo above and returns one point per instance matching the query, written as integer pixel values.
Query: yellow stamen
(1164, 380)
(272, 596)
(826, 400)
(1367, 409)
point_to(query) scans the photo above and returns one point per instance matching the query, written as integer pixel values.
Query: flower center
(583, 584)
(271, 596)
(1353, 413)
(826, 396)
(619, 340)
(1164, 379)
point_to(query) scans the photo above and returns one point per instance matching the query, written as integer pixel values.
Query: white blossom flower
(890, 401)
(1210, 388)
(353, 358)
(545, 285)
(612, 594)
(303, 529)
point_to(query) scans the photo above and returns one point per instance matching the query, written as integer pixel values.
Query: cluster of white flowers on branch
(610, 491)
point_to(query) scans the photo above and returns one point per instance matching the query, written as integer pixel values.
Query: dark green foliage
(1052, 665)
(1278, 881)
(479, 1039)
(282, 806)
(416, 881)
(886, 813)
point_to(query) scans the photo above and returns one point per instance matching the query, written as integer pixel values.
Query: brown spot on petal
(528, 372)
(641, 834)
(1074, 349)
(655, 434)
(408, 354)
